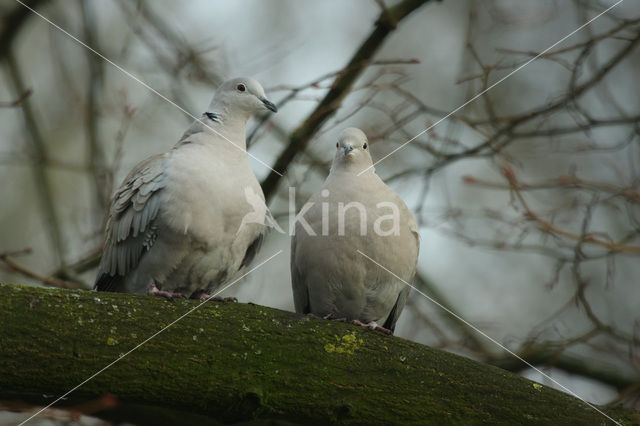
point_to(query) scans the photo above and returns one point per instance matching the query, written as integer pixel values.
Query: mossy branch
(236, 361)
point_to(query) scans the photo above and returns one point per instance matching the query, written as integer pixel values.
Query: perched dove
(175, 225)
(354, 213)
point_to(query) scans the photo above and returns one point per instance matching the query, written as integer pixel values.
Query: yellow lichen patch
(346, 344)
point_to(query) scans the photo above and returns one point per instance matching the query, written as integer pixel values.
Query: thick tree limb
(554, 357)
(236, 361)
(12, 23)
(386, 23)
(38, 150)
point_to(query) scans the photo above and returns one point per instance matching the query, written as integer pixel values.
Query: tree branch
(548, 356)
(13, 21)
(300, 138)
(238, 361)
(38, 150)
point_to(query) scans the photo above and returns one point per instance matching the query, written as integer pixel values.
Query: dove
(175, 226)
(354, 220)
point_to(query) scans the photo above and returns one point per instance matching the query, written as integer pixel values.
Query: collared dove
(176, 222)
(352, 212)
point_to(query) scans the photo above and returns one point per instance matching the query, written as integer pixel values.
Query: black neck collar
(213, 116)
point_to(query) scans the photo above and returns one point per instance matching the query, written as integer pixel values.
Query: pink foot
(201, 295)
(155, 291)
(373, 326)
(331, 317)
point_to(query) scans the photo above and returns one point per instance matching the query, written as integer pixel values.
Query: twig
(549, 227)
(17, 101)
(48, 280)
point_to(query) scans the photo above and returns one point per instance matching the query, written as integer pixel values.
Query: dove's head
(352, 151)
(241, 96)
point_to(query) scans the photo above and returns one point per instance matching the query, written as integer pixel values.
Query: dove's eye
(365, 145)
(337, 145)
(241, 87)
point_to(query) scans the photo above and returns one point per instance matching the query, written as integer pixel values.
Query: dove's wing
(252, 250)
(410, 251)
(300, 290)
(131, 226)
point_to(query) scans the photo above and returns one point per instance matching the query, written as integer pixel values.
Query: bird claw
(373, 326)
(155, 291)
(331, 317)
(201, 295)
(230, 299)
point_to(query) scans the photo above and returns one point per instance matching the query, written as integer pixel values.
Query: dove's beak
(347, 148)
(270, 105)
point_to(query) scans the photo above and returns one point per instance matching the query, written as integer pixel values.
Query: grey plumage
(131, 228)
(176, 220)
(329, 276)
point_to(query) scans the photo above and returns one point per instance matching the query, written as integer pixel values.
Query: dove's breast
(350, 221)
(214, 196)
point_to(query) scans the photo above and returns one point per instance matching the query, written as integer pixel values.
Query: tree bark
(236, 362)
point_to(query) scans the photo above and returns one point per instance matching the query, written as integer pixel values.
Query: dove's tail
(107, 282)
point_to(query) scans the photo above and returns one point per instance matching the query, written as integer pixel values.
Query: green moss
(347, 344)
(239, 361)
